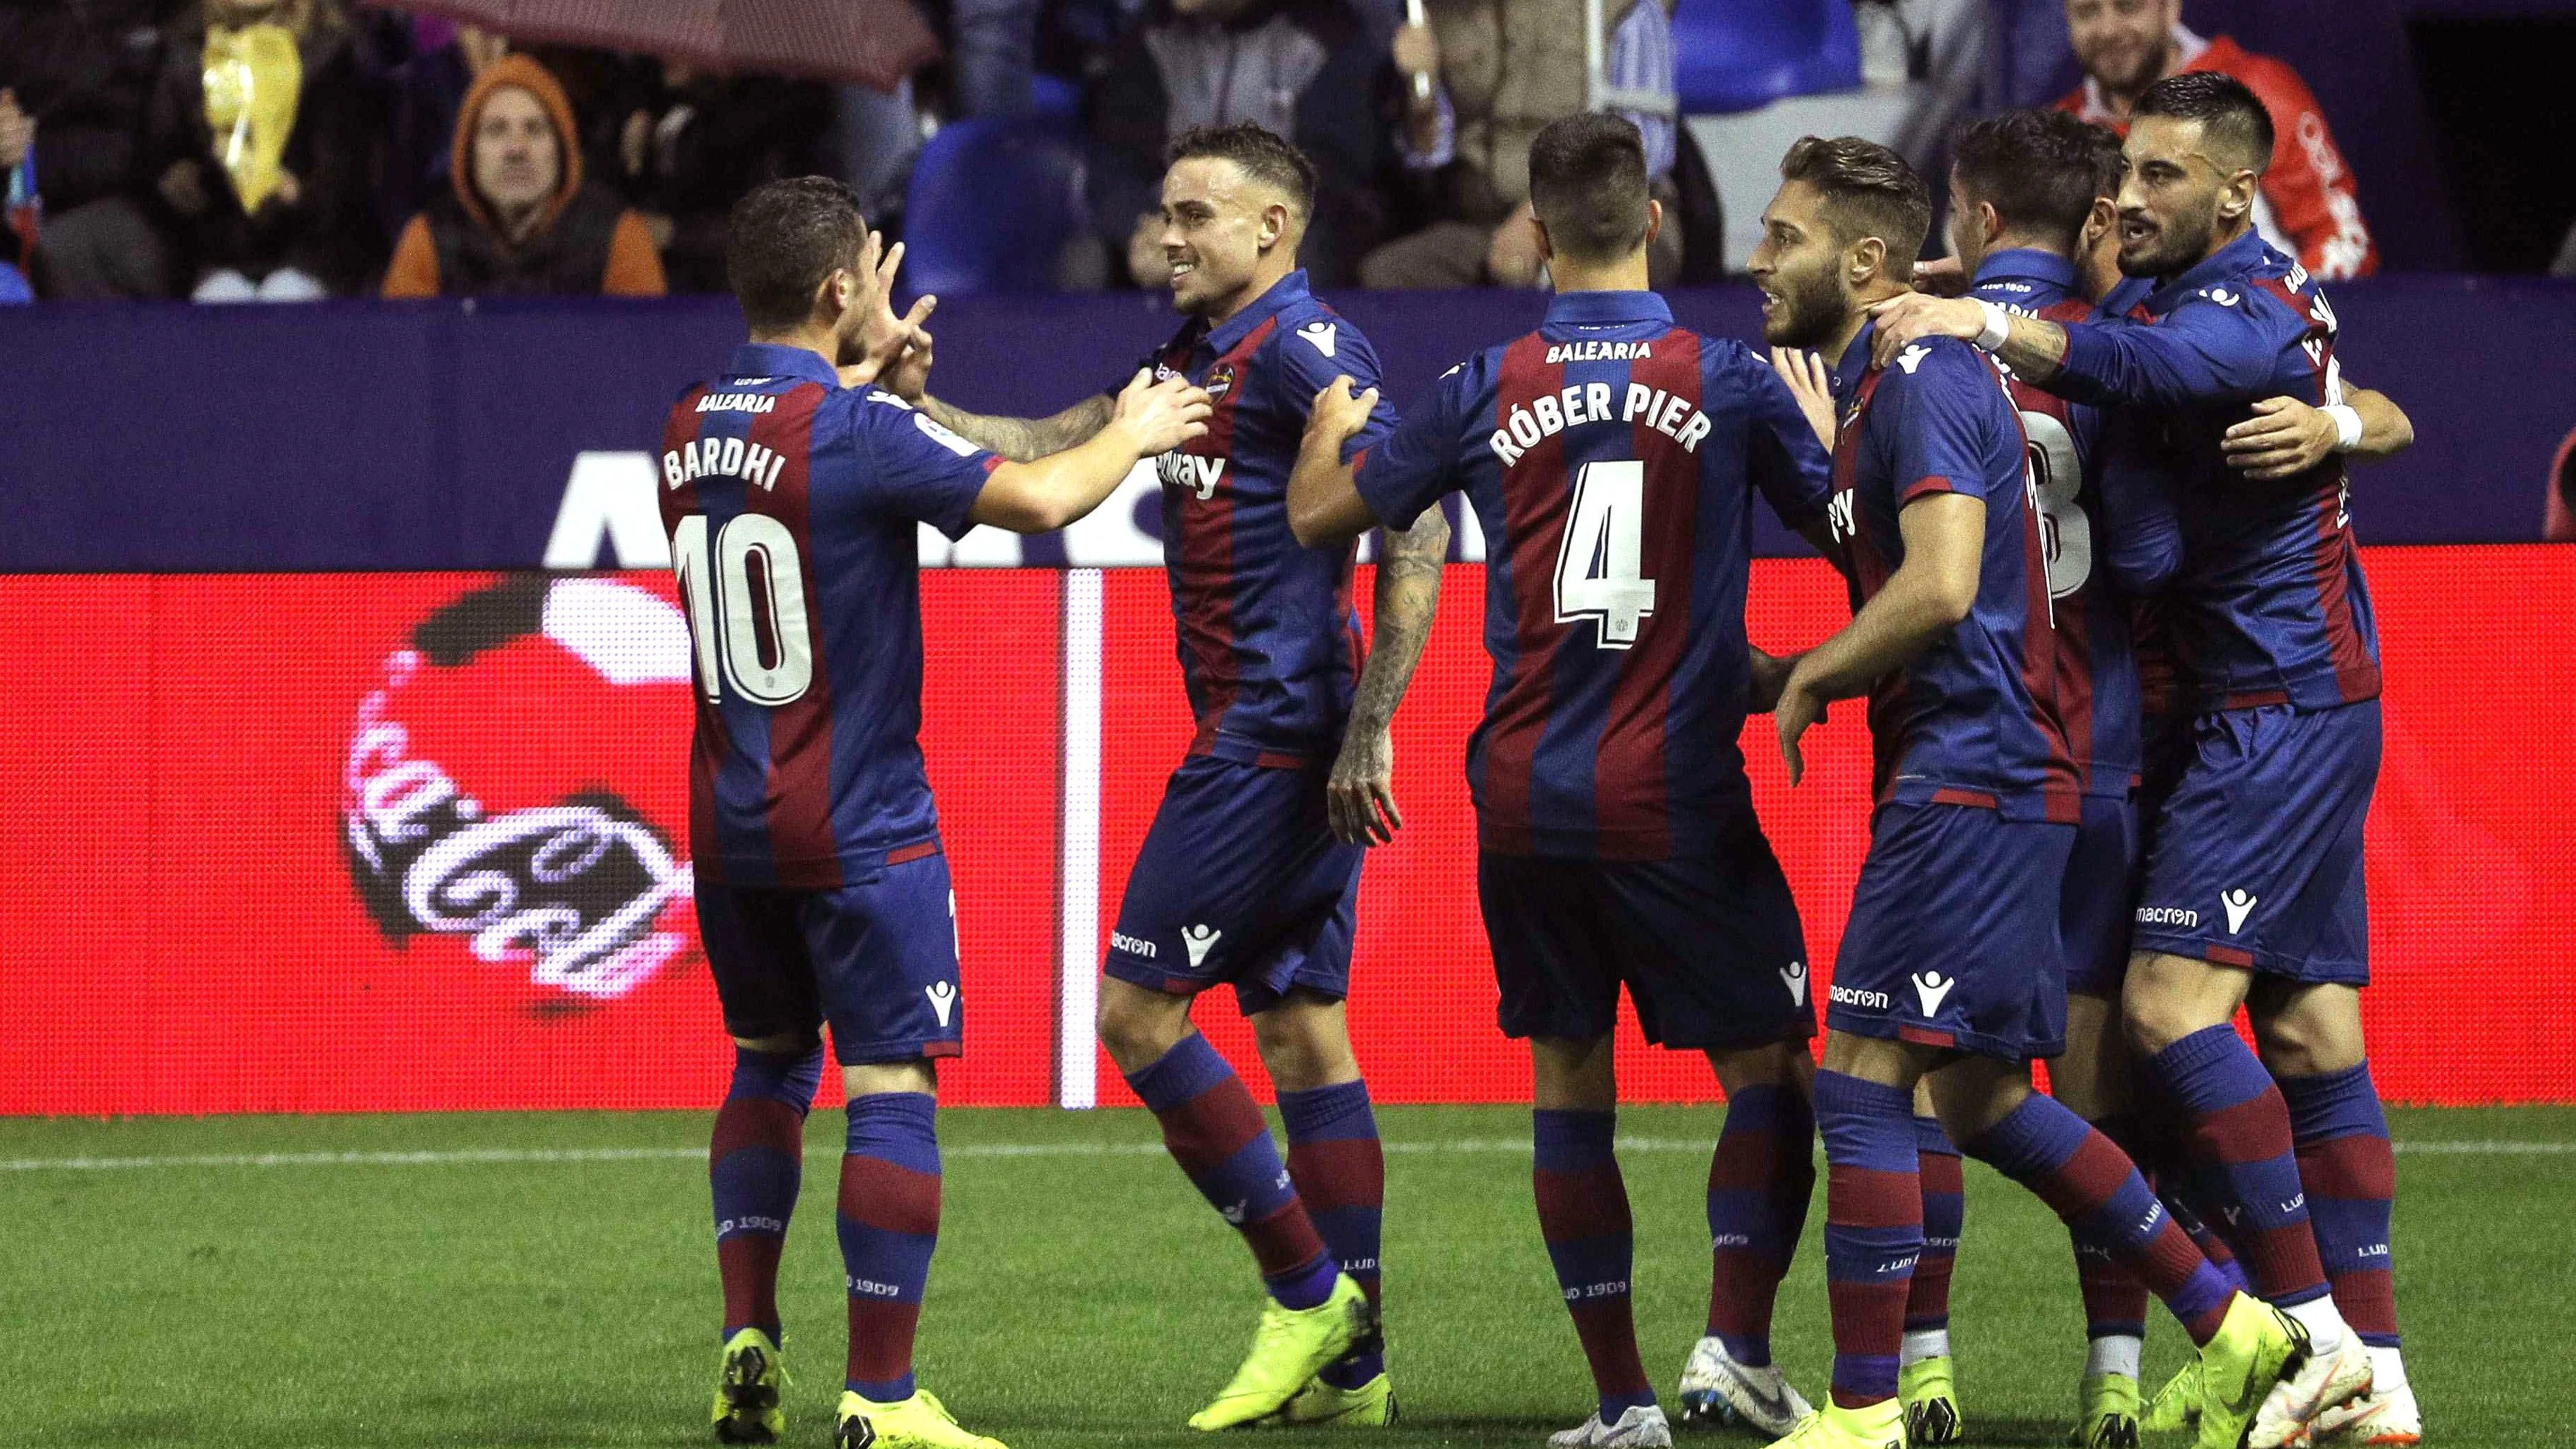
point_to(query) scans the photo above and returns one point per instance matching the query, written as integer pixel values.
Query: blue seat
(990, 205)
(1740, 55)
(1055, 98)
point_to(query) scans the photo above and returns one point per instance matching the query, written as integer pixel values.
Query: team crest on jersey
(1220, 380)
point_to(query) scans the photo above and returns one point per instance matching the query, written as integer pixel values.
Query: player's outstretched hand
(1338, 413)
(1908, 319)
(1800, 705)
(1812, 385)
(1160, 416)
(894, 351)
(1360, 797)
(2283, 438)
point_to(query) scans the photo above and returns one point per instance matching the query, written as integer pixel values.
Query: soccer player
(1612, 458)
(2253, 894)
(792, 504)
(1950, 967)
(1250, 874)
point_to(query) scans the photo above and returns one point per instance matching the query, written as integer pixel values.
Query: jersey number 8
(727, 611)
(2056, 478)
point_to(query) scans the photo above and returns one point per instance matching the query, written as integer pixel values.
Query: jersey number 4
(1597, 567)
(749, 585)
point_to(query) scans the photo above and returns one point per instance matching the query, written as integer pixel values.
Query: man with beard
(794, 506)
(1950, 969)
(2307, 205)
(2253, 894)
(1612, 458)
(1250, 874)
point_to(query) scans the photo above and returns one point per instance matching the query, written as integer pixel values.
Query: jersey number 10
(727, 605)
(1598, 567)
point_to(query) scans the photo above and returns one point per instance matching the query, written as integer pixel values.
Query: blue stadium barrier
(1740, 55)
(436, 435)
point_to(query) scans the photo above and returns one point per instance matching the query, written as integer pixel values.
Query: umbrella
(875, 42)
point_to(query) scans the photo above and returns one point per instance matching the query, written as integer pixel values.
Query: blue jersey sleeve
(1784, 458)
(2143, 547)
(1933, 419)
(1410, 468)
(1304, 369)
(2224, 343)
(916, 468)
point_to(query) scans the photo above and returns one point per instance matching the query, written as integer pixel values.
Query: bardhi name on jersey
(792, 505)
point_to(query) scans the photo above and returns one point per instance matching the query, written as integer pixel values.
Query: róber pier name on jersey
(1589, 402)
(1599, 352)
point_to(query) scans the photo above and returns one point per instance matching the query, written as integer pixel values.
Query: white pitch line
(474, 1156)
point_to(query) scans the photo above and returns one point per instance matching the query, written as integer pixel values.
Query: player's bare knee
(1773, 1064)
(1970, 1094)
(785, 1043)
(1875, 1059)
(1138, 1026)
(1572, 1074)
(2092, 1078)
(2168, 998)
(871, 1079)
(2303, 1030)
(1305, 1043)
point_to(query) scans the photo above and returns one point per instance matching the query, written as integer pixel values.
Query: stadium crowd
(279, 150)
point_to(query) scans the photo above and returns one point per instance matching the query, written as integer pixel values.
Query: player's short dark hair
(2039, 170)
(2222, 105)
(783, 239)
(1868, 191)
(2110, 163)
(1264, 154)
(1587, 180)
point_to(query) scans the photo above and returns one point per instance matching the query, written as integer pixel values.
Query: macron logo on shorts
(943, 1000)
(1794, 976)
(2181, 916)
(1199, 940)
(1852, 996)
(1931, 988)
(1121, 941)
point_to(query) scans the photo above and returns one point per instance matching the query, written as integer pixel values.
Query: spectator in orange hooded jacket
(521, 220)
(2307, 206)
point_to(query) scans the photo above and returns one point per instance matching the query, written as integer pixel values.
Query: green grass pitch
(1082, 1294)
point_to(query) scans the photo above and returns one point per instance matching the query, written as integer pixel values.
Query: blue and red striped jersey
(2108, 528)
(793, 506)
(2270, 607)
(1611, 458)
(1269, 641)
(1973, 719)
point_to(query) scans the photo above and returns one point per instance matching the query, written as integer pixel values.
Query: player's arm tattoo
(1360, 795)
(2033, 349)
(1408, 594)
(1024, 440)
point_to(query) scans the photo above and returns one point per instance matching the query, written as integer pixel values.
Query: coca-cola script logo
(575, 889)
